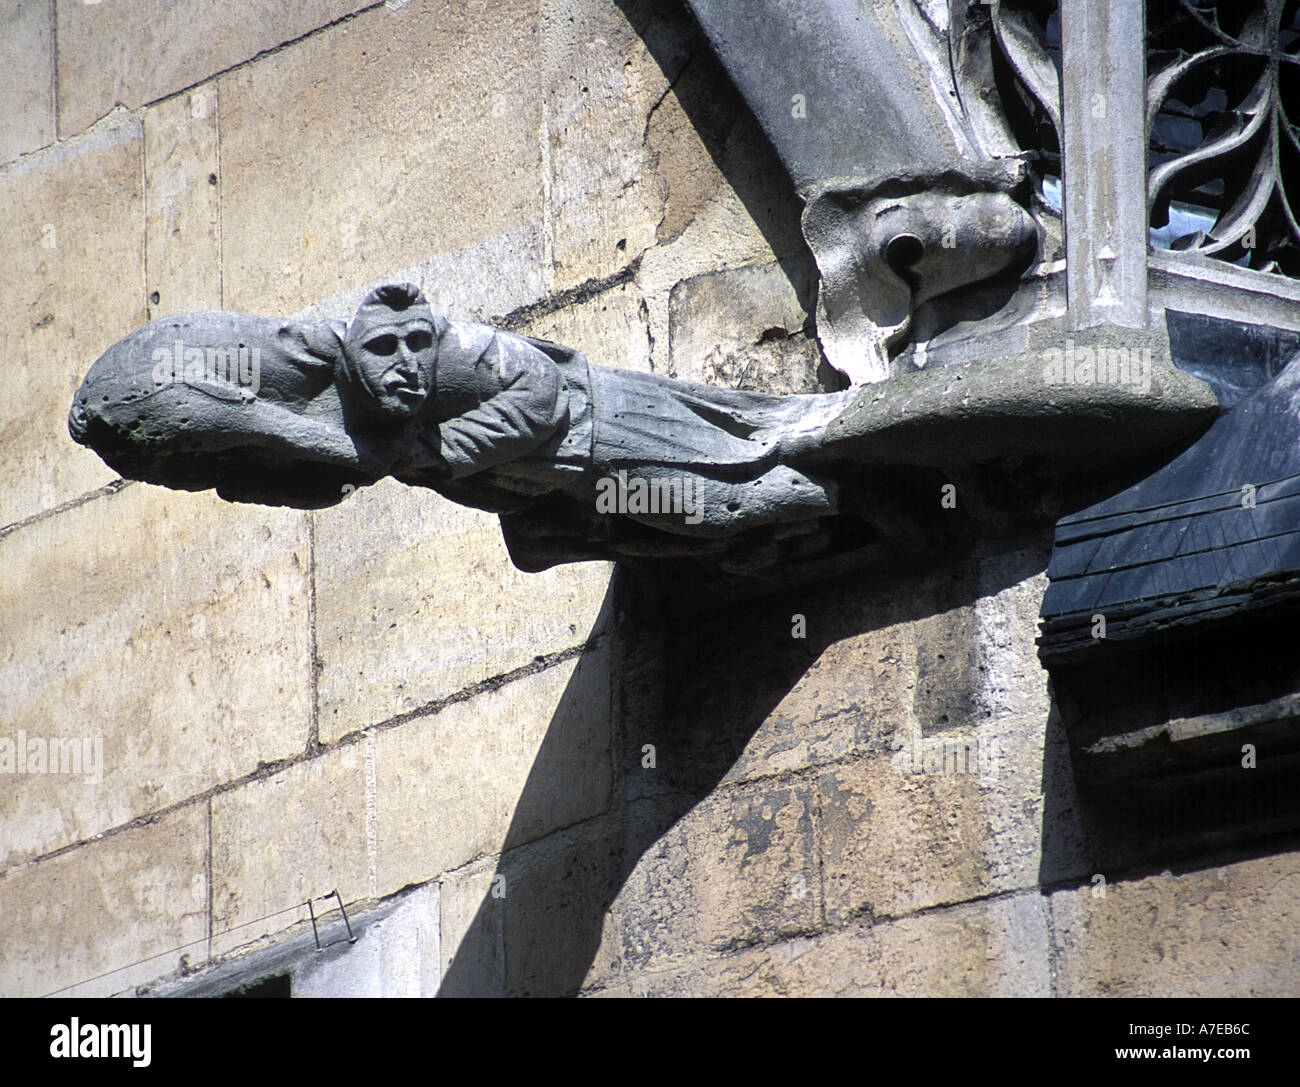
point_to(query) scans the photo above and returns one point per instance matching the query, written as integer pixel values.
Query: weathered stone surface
(492, 772)
(396, 957)
(133, 53)
(744, 328)
(944, 819)
(993, 948)
(621, 990)
(279, 840)
(454, 283)
(1228, 931)
(739, 867)
(403, 160)
(688, 134)
(610, 328)
(1011, 681)
(174, 628)
(784, 683)
(803, 712)
(71, 278)
(975, 657)
(850, 700)
(131, 907)
(182, 229)
(416, 599)
(473, 931)
(973, 412)
(947, 670)
(894, 841)
(867, 107)
(639, 117)
(752, 218)
(534, 921)
(605, 198)
(27, 77)
(556, 895)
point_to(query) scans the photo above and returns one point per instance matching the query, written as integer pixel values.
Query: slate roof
(1213, 534)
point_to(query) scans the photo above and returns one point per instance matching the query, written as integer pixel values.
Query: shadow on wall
(701, 688)
(726, 129)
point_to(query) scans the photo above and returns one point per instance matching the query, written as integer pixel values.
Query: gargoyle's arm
(527, 403)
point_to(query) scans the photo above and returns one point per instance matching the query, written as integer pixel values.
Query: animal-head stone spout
(885, 249)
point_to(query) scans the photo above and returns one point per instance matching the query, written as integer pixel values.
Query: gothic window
(1222, 105)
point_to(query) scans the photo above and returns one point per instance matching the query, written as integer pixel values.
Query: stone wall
(571, 781)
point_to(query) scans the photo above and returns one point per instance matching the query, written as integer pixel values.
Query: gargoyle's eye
(382, 345)
(419, 340)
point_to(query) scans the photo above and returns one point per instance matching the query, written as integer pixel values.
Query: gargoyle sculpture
(302, 413)
(580, 461)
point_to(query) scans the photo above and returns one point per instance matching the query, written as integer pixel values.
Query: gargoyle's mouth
(79, 423)
(96, 433)
(902, 253)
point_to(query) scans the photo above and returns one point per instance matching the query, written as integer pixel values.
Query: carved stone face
(392, 358)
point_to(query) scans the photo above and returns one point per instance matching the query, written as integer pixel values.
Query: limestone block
(130, 52)
(555, 898)
(541, 910)
(948, 667)
(975, 657)
(849, 700)
(993, 948)
(750, 219)
(71, 278)
(894, 841)
(743, 328)
(945, 818)
(492, 772)
(1012, 682)
(396, 957)
(182, 230)
(738, 867)
(454, 282)
(170, 627)
(415, 132)
(773, 687)
(609, 328)
(27, 77)
(687, 135)
(473, 930)
(97, 911)
(279, 840)
(1226, 931)
(605, 197)
(416, 600)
